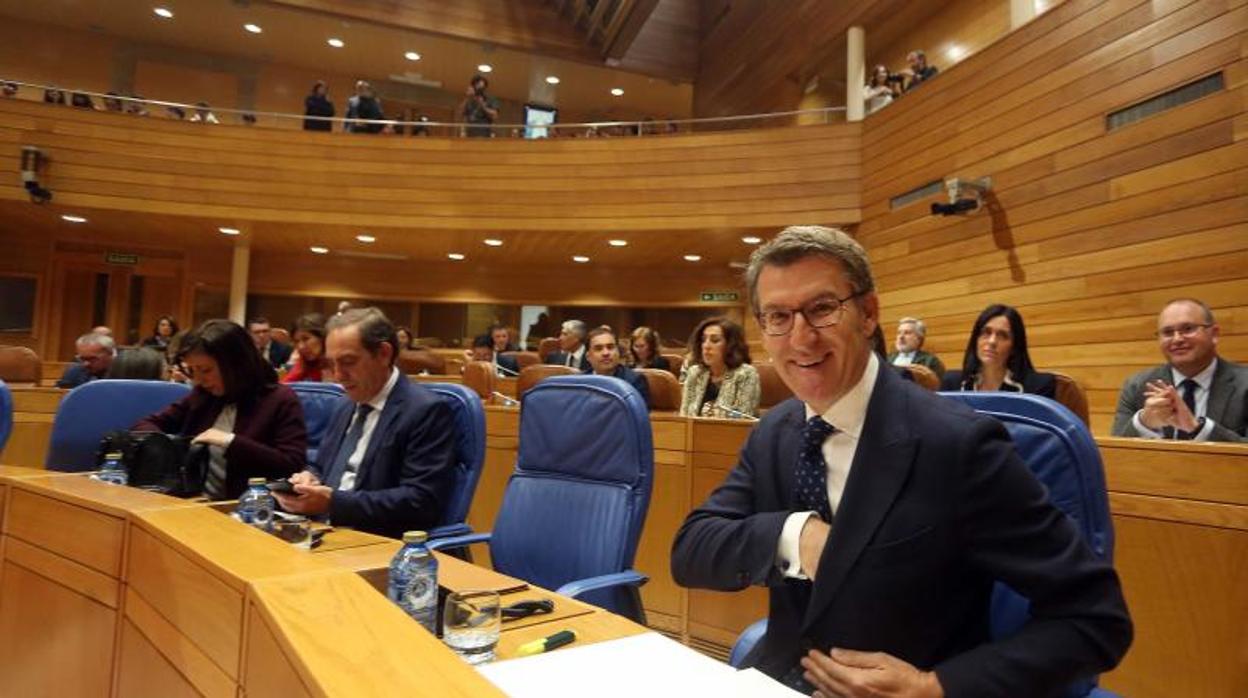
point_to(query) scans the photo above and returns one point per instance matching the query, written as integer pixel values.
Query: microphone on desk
(507, 372)
(737, 413)
(507, 401)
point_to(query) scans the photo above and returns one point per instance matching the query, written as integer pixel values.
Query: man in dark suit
(483, 350)
(908, 349)
(604, 356)
(387, 462)
(1196, 395)
(879, 515)
(95, 354)
(276, 353)
(572, 347)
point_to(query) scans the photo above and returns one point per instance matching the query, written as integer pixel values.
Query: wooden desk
(33, 411)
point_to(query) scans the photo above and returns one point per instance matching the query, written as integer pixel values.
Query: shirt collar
(848, 413)
(1204, 379)
(378, 403)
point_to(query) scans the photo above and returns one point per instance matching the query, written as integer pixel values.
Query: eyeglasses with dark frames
(818, 313)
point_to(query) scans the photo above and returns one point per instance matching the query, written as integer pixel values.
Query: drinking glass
(471, 623)
(293, 529)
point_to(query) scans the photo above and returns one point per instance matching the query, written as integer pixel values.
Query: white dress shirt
(1204, 382)
(847, 415)
(378, 403)
(574, 359)
(903, 358)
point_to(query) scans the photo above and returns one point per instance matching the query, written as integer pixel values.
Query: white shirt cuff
(1143, 431)
(788, 549)
(1205, 431)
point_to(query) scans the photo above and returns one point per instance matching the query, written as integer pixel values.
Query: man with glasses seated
(1195, 395)
(94, 356)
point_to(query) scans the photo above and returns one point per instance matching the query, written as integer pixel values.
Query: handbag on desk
(153, 460)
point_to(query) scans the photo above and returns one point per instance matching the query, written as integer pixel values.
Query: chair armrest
(604, 581)
(458, 541)
(450, 530)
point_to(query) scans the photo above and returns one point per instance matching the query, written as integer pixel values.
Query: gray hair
(375, 329)
(101, 340)
(576, 327)
(920, 328)
(1197, 302)
(798, 242)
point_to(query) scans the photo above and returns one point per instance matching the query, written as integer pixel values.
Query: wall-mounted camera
(964, 196)
(32, 161)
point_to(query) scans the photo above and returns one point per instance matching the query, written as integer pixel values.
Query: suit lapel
(787, 450)
(1221, 389)
(389, 413)
(881, 467)
(334, 434)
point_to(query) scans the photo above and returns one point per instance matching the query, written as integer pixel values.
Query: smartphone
(283, 486)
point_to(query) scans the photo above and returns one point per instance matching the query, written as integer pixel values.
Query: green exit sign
(121, 258)
(719, 297)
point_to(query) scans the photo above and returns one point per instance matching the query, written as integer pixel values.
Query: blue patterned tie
(349, 443)
(811, 488)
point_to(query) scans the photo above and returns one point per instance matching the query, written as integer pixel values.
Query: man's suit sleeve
(1079, 624)
(725, 544)
(1129, 402)
(426, 476)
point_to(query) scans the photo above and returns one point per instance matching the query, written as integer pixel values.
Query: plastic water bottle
(256, 506)
(112, 471)
(414, 580)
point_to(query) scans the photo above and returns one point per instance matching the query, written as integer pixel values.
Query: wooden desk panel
(267, 670)
(173, 647)
(144, 672)
(84, 536)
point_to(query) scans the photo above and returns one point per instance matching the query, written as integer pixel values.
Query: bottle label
(421, 593)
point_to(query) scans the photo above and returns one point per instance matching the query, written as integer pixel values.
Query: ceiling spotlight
(955, 52)
(336, 42)
(618, 243)
(580, 259)
(366, 238)
(455, 256)
(412, 56)
(73, 219)
(693, 258)
(253, 28)
(617, 91)
(229, 231)
(492, 242)
(552, 80)
(751, 240)
(317, 249)
(485, 68)
(163, 12)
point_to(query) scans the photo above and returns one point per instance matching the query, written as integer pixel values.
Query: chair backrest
(577, 500)
(537, 373)
(20, 365)
(1071, 394)
(674, 362)
(1057, 447)
(773, 390)
(469, 447)
(523, 359)
(547, 346)
(923, 376)
(412, 362)
(664, 389)
(93, 409)
(481, 377)
(319, 401)
(6, 414)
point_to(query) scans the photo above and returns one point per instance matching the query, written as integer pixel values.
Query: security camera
(964, 196)
(32, 160)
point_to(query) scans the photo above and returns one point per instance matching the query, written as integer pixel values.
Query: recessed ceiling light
(336, 42)
(163, 12)
(485, 68)
(751, 240)
(455, 256)
(317, 249)
(617, 91)
(580, 259)
(552, 79)
(412, 56)
(366, 238)
(693, 258)
(492, 242)
(618, 243)
(73, 219)
(229, 231)
(253, 28)
(955, 52)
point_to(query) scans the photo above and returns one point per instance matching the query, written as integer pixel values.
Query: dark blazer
(923, 358)
(937, 506)
(1227, 405)
(657, 361)
(408, 471)
(317, 105)
(75, 375)
(1043, 384)
(634, 379)
(270, 438)
(279, 353)
(560, 358)
(509, 363)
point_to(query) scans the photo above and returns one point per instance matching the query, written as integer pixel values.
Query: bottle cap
(415, 537)
(113, 455)
(255, 481)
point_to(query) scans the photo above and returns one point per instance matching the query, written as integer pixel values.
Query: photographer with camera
(881, 89)
(479, 108)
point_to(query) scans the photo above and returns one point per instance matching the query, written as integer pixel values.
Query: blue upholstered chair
(573, 510)
(469, 455)
(1056, 445)
(93, 409)
(319, 401)
(6, 414)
